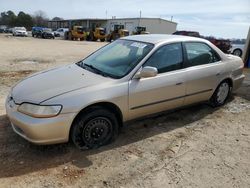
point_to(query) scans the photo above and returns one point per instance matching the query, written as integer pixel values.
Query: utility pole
(106, 12)
(139, 19)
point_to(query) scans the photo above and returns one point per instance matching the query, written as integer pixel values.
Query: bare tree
(40, 18)
(57, 19)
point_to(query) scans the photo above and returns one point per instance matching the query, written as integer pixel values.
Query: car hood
(45, 85)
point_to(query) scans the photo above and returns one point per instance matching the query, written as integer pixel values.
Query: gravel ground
(197, 146)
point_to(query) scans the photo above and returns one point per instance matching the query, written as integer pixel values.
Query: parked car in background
(20, 31)
(3, 28)
(188, 33)
(60, 32)
(47, 33)
(237, 49)
(223, 44)
(42, 32)
(36, 31)
(9, 30)
(129, 78)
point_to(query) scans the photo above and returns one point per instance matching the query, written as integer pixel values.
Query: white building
(153, 25)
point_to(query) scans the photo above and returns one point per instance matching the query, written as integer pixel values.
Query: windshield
(20, 28)
(117, 59)
(47, 30)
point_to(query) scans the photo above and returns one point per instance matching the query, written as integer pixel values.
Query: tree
(8, 18)
(40, 18)
(24, 20)
(57, 19)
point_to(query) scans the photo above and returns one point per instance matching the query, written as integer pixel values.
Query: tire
(237, 52)
(109, 39)
(221, 94)
(94, 128)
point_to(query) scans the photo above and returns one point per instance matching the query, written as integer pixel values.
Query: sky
(219, 18)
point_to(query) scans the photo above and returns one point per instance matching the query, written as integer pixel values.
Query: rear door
(204, 69)
(164, 91)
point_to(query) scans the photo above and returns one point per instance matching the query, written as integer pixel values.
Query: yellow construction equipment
(75, 33)
(97, 33)
(118, 32)
(140, 31)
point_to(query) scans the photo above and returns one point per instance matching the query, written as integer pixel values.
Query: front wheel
(221, 94)
(95, 128)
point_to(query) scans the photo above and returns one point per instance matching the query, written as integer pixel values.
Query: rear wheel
(221, 94)
(237, 52)
(97, 127)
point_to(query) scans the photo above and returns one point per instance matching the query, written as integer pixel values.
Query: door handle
(218, 74)
(179, 83)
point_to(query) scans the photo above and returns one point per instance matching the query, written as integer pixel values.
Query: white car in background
(20, 31)
(237, 49)
(60, 32)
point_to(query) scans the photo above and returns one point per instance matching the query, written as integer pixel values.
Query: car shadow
(19, 157)
(244, 91)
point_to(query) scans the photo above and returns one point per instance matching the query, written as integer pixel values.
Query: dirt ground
(195, 147)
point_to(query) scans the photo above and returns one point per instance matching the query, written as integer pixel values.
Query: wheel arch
(237, 49)
(229, 80)
(105, 105)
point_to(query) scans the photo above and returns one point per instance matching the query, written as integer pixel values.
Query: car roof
(158, 38)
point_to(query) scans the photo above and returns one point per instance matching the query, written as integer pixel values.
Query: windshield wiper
(96, 70)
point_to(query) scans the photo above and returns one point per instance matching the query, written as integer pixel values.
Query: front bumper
(21, 34)
(40, 130)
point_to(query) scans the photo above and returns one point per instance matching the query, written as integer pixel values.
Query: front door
(164, 91)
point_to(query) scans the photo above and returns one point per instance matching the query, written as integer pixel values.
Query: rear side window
(200, 54)
(166, 58)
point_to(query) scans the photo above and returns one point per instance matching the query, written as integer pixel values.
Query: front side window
(117, 59)
(167, 58)
(200, 54)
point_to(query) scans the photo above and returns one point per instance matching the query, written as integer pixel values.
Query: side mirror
(146, 72)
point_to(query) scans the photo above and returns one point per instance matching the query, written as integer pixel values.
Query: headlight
(39, 111)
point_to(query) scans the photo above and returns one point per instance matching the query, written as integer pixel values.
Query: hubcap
(237, 52)
(97, 130)
(222, 93)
